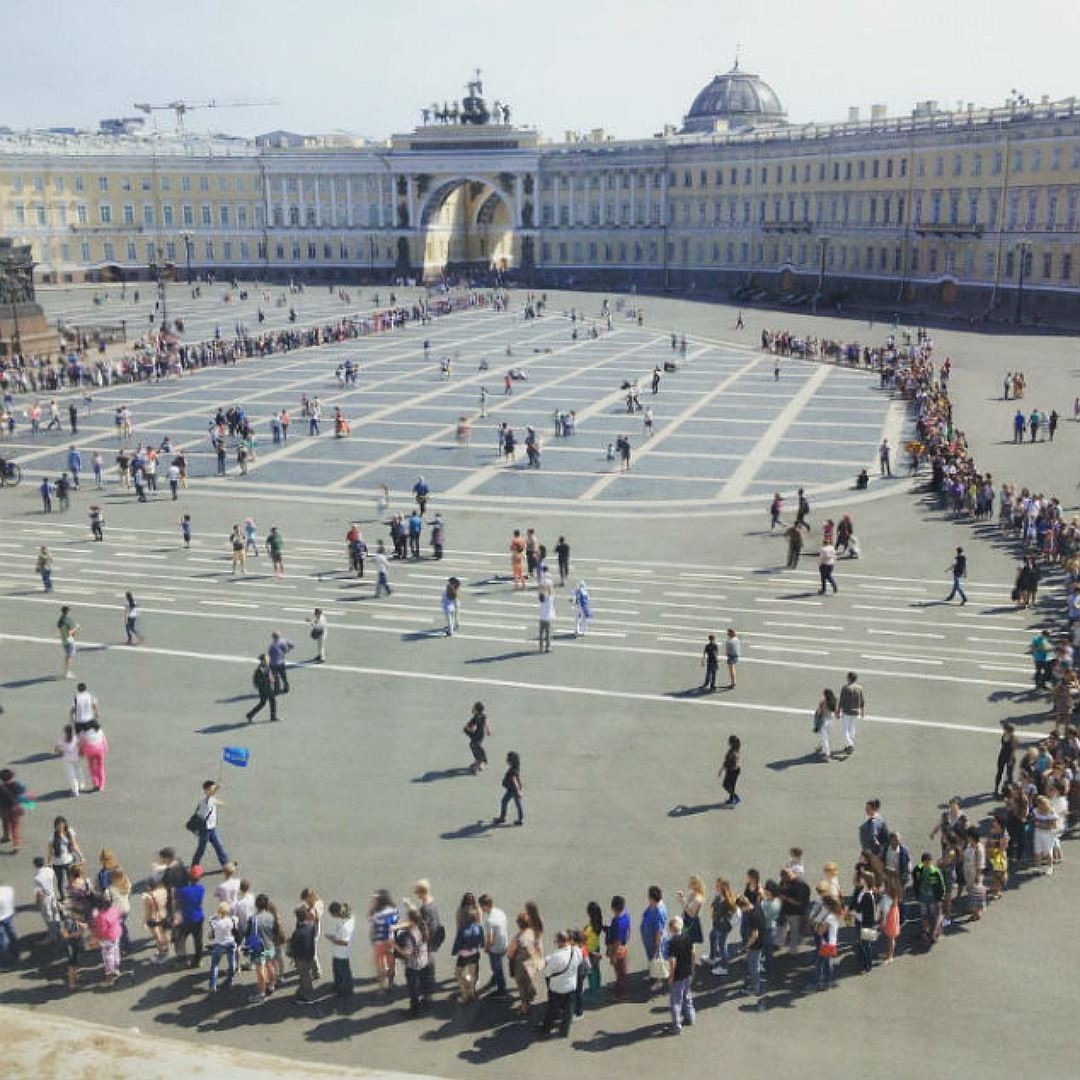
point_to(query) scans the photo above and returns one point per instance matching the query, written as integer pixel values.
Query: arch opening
(468, 228)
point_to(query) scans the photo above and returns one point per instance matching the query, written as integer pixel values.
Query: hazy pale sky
(629, 66)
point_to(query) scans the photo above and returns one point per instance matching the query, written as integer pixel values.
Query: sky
(628, 66)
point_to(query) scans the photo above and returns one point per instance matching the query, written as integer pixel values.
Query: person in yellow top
(593, 933)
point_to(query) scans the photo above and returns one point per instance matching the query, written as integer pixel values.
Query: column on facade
(517, 201)
(411, 196)
(284, 200)
(633, 196)
(382, 201)
(603, 196)
(318, 202)
(348, 202)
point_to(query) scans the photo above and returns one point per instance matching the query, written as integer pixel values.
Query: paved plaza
(364, 785)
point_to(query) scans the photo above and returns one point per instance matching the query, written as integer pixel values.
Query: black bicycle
(10, 474)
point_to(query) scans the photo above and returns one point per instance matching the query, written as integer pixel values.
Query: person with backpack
(436, 934)
(477, 729)
(207, 813)
(263, 681)
(929, 883)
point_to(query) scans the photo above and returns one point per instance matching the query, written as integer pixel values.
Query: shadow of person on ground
(441, 774)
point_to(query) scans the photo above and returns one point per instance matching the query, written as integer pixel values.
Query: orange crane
(181, 108)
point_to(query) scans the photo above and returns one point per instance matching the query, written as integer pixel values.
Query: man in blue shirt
(189, 901)
(74, 466)
(616, 937)
(277, 650)
(416, 528)
(653, 926)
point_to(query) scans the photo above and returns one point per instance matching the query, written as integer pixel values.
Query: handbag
(826, 949)
(658, 969)
(196, 823)
(868, 934)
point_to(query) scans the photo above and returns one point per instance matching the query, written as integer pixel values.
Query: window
(873, 210)
(764, 174)
(167, 214)
(1051, 209)
(84, 249)
(935, 207)
(1032, 209)
(734, 176)
(81, 214)
(1066, 267)
(61, 215)
(185, 183)
(311, 250)
(105, 214)
(58, 184)
(125, 183)
(954, 207)
(208, 248)
(239, 185)
(997, 162)
(836, 170)
(165, 184)
(903, 166)
(187, 214)
(39, 184)
(206, 214)
(148, 214)
(132, 254)
(259, 215)
(279, 251)
(1036, 160)
(204, 183)
(150, 252)
(992, 211)
(976, 165)
(146, 183)
(932, 268)
(779, 177)
(170, 251)
(888, 167)
(1047, 264)
(1010, 263)
(242, 215)
(129, 214)
(16, 183)
(876, 170)
(1055, 158)
(223, 183)
(79, 185)
(1018, 161)
(103, 183)
(223, 215)
(244, 253)
(886, 210)
(1014, 209)
(939, 165)
(20, 214)
(311, 215)
(109, 252)
(973, 207)
(958, 165)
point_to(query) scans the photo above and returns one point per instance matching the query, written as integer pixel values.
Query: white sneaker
(719, 969)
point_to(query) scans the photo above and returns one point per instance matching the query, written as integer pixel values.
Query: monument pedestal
(25, 323)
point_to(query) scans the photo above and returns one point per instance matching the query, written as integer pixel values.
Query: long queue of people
(693, 945)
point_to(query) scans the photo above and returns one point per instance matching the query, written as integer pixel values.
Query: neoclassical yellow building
(976, 208)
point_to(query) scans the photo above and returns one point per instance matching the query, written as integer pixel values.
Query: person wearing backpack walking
(263, 680)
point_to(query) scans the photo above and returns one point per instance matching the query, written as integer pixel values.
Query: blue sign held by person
(239, 756)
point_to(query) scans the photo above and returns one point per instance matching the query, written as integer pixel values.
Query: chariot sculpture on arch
(472, 109)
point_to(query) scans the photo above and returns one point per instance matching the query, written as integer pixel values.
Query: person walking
(582, 608)
(451, 606)
(513, 790)
(67, 628)
(710, 661)
(263, 680)
(44, 567)
(852, 708)
(207, 813)
(279, 647)
(546, 595)
(68, 749)
(275, 548)
(562, 553)
(885, 458)
(827, 711)
(239, 549)
(794, 538)
(94, 746)
(958, 569)
(826, 567)
(190, 921)
(97, 523)
(131, 616)
(382, 571)
(317, 622)
(729, 771)
(477, 728)
(732, 654)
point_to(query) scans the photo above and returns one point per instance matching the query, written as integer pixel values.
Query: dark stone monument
(23, 326)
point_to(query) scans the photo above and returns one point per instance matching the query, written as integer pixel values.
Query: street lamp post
(187, 254)
(1024, 249)
(162, 292)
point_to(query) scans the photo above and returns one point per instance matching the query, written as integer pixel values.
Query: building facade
(975, 208)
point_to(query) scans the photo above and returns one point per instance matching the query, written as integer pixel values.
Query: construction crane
(181, 108)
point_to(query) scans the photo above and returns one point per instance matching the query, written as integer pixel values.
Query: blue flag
(236, 755)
